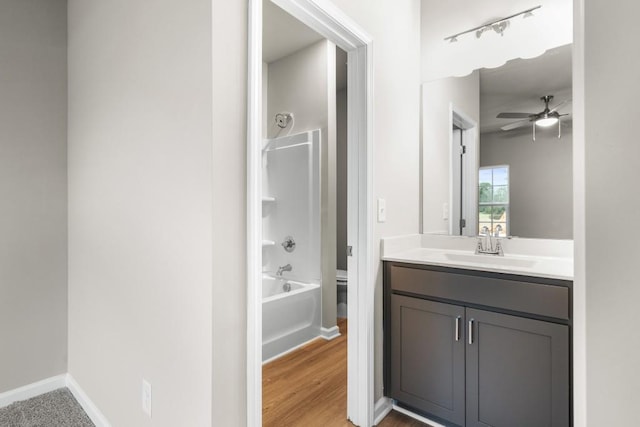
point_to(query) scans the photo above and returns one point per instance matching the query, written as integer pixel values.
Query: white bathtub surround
(291, 176)
(290, 318)
(530, 257)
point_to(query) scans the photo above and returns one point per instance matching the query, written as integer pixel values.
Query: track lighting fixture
(498, 26)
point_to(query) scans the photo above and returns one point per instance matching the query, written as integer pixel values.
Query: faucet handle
(289, 244)
(498, 248)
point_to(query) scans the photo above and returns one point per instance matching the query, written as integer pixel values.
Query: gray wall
(141, 209)
(303, 83)
(298, 83)
(612, 234)
(341, 178)
(541, 178)
(438, 96)
(33, 185)
(229, 215)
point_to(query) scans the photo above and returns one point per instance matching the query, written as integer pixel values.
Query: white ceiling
(282, 34)
(518, 85)
(550, 27)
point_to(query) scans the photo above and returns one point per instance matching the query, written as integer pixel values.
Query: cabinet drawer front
(534, 298)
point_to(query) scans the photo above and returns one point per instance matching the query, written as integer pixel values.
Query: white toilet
(341, 282)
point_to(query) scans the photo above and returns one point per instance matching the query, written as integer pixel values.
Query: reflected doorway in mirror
(464, 164)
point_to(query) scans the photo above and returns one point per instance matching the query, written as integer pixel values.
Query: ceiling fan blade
(562, 104)
(513, 115)
(515, 125)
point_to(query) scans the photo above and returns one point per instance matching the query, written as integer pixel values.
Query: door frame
(579, 327)
(329, 21)
(470, 139)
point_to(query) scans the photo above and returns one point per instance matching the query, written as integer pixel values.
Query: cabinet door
(427, 356)
(517, 371)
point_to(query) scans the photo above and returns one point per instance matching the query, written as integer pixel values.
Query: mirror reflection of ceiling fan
(545, 118)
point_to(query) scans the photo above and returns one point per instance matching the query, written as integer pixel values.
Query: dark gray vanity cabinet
(470, 348)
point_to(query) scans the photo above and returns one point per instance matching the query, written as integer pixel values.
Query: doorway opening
(464, 180)
(299, 147)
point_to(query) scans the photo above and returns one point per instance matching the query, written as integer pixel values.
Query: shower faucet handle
(289, 244)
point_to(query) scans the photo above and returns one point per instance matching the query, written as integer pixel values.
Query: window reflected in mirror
(493, 200)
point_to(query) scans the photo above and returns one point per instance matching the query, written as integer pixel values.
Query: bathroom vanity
(474, 341)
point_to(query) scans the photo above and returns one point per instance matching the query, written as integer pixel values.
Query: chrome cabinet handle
(471, 331)
(458, 328)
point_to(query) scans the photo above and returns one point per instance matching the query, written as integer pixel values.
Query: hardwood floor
(308, 388)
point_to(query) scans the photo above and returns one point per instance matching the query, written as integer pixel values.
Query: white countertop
(526, 257)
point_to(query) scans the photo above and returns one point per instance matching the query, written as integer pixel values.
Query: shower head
(283, 119)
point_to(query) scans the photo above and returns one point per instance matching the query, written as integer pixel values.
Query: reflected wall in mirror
(489, 165)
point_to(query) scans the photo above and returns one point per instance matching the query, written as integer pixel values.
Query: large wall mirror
(496, 119)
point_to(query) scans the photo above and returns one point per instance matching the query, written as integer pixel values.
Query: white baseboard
(417, 417)
(51, 384)
(330, 333)
(89, 407)
(383, 406)
(32, 390)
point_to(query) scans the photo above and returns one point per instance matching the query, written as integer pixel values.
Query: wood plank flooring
(308, 388)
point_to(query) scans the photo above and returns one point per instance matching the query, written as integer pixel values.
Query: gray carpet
(55, 409)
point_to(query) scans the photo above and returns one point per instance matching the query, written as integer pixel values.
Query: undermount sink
(491, 260)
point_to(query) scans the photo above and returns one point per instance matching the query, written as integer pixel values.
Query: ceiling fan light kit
(545, 122)
(545, 118)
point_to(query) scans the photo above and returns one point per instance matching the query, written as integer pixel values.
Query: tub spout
(283, 269)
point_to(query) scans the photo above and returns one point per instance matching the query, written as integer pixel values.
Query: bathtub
(289, 319)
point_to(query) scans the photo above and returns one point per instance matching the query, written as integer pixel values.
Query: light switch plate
(382, 210)
(445, 211)
(146, 397)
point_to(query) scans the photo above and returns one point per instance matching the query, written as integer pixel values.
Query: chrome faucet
(485, 243)
(283, 269)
